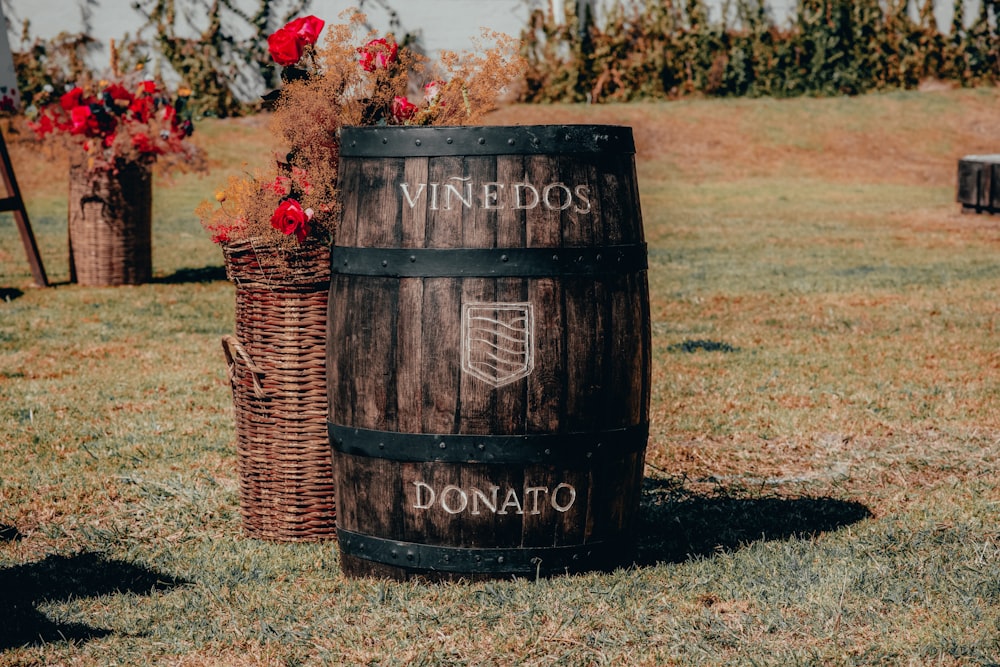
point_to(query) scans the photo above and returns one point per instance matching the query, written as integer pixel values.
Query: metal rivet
(417, 142)
(381, 445)
(504, 258)
(479, 559)
(555, 258)
(482, 141)
(442, 445)
(409, 555)
(385, 262)
(510, 142)
(385, 140)
(481, 446)
(548, 452)
(448, 140)
(413, 258)
(500, 559)
(447, 558)
(598, 257)
(394, 554)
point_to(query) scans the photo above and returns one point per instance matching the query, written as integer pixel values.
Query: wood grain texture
(395, 364)
(978, 188)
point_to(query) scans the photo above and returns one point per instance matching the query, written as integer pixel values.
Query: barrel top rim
(443, 140)
(411, 128)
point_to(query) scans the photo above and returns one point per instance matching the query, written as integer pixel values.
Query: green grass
(822, 480)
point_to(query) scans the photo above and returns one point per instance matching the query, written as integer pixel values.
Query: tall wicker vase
(110, 225)
(277, 364)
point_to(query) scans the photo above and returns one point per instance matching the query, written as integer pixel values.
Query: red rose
(82, 120)
(402, 109)
(307, 29)
(72, 99)
(290, 218)
(377, 54)
(284, 48)
(287, 44)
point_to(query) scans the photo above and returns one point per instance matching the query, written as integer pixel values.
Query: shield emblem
(498, 342)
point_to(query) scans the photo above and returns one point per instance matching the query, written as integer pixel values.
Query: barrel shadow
(62, 578)
(676, 525)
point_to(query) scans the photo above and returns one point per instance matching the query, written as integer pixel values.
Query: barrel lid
(413, 141)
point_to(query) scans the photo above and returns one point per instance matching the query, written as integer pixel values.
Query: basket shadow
(204, 274)
(63, 578)
(676, 525)
(10, 293)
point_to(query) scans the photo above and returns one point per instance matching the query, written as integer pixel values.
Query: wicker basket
(277, 363)
(110, 225)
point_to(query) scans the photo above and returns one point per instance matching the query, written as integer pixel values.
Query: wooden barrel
(979, 183)
(488, 357)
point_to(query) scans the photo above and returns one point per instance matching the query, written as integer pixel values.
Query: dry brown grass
(823, 493)
(853, 388)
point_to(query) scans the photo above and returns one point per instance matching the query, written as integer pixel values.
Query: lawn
(822, 472)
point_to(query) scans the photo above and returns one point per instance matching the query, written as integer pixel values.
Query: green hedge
(661, 49)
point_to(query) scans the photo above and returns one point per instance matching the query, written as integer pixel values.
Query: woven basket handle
(232, 348)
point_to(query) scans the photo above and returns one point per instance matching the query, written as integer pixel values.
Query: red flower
(282, 185)
(118, 97)
(82, 121)
(145, 145)
(432, 90)
(142, 108)
(306, 28)
(402, 109)
(290, 218)
(284, 48)
(168, 115)
(287, 44)
(378, 54)
(72, 99)
(43, 126)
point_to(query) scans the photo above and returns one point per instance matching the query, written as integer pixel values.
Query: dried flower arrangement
(352, 79)
(126, 118)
